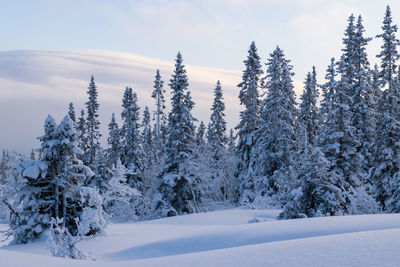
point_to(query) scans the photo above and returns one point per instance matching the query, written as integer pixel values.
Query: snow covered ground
(234, 237)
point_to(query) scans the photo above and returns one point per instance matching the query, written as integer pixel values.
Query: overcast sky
(63, 42)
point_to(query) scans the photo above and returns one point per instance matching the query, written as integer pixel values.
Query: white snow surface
(228, 238)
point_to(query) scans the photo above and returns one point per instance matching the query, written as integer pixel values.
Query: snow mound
(226, 238)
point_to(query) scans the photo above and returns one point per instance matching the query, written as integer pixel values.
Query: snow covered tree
(389, 54)
(92, 124)
(231, 142)
(249, 118)
(159, 113)
(339, 143)
(387, 151)
(201, 132)
(82, 132)
(10, 181)
(309, 113)
(177, 192)
(54, 189)
(217, 130)
(316, 193)
(121, 200)
(328, 89)
(132, 152)
(147, 139)
(71, 112)
(272, 164)
(114, 142)
(362, 103)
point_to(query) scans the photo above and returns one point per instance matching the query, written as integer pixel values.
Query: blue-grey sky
(62, 42)
(213, 33)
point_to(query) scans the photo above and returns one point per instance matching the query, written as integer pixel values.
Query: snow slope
(226, 238)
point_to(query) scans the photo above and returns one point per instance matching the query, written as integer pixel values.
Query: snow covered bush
(54, 189)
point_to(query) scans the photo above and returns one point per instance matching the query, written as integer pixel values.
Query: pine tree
(328, 90)
(309, 113)
(339, 143)
(121, 200)
(389, 54)
(114, 142)
(132, 152)
(177, 194)
(92, 124)
(363, 105)
(201, 132)
(82, 132)
(316, 193)
(147, 138)
(249, 118)
(54, 189)
(272, 162)
(71, 112)
(159, 113)
(217, 130)
(231, 142)
(384, 174)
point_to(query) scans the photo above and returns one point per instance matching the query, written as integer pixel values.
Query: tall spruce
(249, 119)
(147, 138)
(132, 152)
(389, 54)
(309, 112)
(71, 112)
(177, 193)
(339, 143)
(82, 132)
(114, 142)
(92, 124)
(217, 129)
(272, 162)
(159, 114)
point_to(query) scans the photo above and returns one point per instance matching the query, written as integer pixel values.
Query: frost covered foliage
(54, 189)
(121, 201)
(10, 181)
(316, 193)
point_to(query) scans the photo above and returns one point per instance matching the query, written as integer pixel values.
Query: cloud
(35, 83)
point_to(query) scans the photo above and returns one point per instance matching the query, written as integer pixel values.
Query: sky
(49, 49)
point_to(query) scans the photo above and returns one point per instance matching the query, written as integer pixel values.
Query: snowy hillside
(232, 238)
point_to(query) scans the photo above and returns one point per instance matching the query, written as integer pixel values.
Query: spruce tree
(177, 193)
(309, 113)
(82, 132)
(339, 143)
(249, 120)
(132, 152)
(158, 94)
(54, 189)
(217, 130)
(201, 132)
(92, 124)
(147, 139)
(389, 54)
(71, 112)
(272, 162)
(114, 142)
(363, 104)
